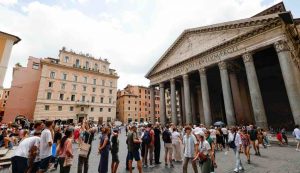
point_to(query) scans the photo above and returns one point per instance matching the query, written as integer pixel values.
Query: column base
(263, 125)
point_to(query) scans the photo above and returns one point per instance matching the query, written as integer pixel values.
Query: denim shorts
(45, 163)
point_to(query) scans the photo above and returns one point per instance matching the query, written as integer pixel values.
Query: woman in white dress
(176, 142)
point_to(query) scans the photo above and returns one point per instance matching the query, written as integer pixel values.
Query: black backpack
(146, 137)
(166, 136)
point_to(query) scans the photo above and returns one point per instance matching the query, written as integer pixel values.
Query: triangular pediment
(197, 40)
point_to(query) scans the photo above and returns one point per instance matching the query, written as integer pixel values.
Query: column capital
(222, 65)
(281, 46)
(161, 85)
(202, 71)
(185, 77)
(247, 57)
(172, 80)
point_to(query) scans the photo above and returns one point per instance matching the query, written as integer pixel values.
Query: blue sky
(131, 34)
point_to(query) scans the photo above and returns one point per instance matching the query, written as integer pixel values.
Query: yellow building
(76, 87)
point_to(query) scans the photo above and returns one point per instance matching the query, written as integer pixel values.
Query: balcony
(82, 103)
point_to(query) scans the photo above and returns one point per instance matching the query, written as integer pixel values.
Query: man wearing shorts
(46, 146)
(133, 143)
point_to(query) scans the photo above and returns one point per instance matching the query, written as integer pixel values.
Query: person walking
(235, 143)
(190, 148)
(148, 141)
(283, 132)
(133, 144)
(65, 152)
(88, 137)
(296, 133)
(176, 142)
(46, 146)
(253, 138)
(203, 154)
(246, 144)
(104, 151)
(114, 151)
(157, 132)
(167, 138)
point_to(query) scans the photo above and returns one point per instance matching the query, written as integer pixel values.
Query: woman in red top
(279, 137)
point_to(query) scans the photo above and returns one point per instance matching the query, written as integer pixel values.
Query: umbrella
(219, 123)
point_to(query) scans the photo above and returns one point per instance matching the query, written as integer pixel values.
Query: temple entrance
(273, 90)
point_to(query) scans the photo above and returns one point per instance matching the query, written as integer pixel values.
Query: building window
(66, 59)
(110, 100)
(94, 81)
(128, 101)
(52, 75)
(87, 64)
(73, 97)
(94, 89)
(50, 84)
(84, 88)
(103, 82)
(109, 109)
(47, 107)
(75, 78)
(83, 98)
(108, 119)
(82, 109)
(101, 100)
(110, 91)
(49, 94)
(59, 108)
(71, 108)
(74, 87)
(129, 108)
(102, 90)
(140, 91)
(63, 86)
(77, 64)
(85, 79)
(36, 66)
(101, 109)
(64, 76)
(92, 109)
(61, 96)
(96, 66)
(93, 99)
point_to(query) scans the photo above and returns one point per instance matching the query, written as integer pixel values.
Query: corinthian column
(255, 94)
(173, 102)
(205, 97)
(152, 104)
(289, 77)
(162, 104)
(187, 99)
(227, 94)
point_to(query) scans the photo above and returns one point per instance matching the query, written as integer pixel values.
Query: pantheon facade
(240, 72)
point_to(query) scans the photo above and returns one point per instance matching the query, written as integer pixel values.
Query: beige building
(240, 72)
(3, 101)
(133, 104)
(76, 87)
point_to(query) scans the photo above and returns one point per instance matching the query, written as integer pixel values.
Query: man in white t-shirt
(46, 146)
(296, 133)
(190, 144)
(29, 146)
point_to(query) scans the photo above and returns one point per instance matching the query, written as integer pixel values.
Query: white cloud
(8, 2)
(132, 40)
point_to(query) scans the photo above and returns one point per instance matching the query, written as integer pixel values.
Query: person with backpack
(148, 141)
(235, 143)
(167, 138)
(253, 138)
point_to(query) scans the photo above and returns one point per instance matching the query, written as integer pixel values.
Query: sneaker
(171, 166)
(241, 169)
(235, 170)
(151, 166)
(145, 166)
(166, 165)
(248, 161)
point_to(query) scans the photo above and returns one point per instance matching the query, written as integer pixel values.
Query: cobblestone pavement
(274, 159)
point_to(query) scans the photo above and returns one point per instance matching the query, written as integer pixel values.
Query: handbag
(232, 143)
(85, 148)
(68, 161)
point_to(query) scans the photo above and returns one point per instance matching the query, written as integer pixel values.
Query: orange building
(133, 104)
(23, 91)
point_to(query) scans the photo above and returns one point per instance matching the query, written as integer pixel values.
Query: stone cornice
(79, 69)
(261, 20)
(231, 42)
(274, 9)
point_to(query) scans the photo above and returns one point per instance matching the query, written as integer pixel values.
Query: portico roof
(241, 27)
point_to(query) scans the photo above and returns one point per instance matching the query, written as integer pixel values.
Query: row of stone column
(260, 118)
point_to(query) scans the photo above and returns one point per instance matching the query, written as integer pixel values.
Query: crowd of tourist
(49, 146)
